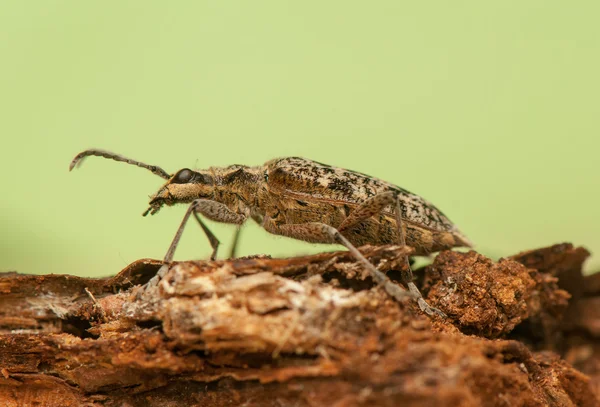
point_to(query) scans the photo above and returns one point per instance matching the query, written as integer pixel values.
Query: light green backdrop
(488, 109)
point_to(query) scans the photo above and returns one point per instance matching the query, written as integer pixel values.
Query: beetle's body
(307, 191)
(309, 201)
(295, 190)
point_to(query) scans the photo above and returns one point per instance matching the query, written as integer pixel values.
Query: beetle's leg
(234, 244)
(409, 279)
(373, 206)
(212, 210)
(169, 256)
(320, 232)
(258, 219)
(214, 242)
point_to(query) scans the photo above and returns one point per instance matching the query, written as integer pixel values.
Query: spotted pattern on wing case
(299, 176)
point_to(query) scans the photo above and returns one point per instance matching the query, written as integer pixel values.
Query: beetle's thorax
(236, 185)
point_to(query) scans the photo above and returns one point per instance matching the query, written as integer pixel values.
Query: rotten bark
(305, 331)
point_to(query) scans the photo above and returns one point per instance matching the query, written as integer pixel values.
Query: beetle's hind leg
(373, 206)
(320, 232)
(409, 278)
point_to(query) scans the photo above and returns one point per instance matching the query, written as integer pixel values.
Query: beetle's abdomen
(383, 230)
(313, 181)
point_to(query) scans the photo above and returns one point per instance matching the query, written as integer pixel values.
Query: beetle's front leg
(320, 232)
(212, 210)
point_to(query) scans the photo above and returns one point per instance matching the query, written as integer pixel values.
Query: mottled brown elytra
(310, 201)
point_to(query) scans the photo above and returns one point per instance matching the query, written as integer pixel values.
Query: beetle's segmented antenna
(107, 154)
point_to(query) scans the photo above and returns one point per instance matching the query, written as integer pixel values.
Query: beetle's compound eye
(183, 176)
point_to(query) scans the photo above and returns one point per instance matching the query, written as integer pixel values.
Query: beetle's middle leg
(212, 239)
(236, 238)
(373, 206)
(234, 244)
(320, 232)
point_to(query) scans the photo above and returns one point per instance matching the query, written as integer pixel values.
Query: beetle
(309, 201)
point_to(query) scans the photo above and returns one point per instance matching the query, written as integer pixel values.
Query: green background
(488, 109)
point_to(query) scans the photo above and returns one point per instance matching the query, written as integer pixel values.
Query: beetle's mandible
(306, 200)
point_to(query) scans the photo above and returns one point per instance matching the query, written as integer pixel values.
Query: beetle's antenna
(107, 154)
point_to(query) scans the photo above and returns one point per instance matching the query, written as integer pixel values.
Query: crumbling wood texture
(305, 331)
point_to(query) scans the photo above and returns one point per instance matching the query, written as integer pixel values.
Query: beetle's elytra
(306, 200)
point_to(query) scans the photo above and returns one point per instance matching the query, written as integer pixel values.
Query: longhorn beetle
(309, 201)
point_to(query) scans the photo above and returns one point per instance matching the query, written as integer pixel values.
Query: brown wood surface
(305, 331)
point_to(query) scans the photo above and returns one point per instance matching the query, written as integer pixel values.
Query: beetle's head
(183, 187)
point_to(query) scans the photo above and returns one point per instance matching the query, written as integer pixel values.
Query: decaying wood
(305, 331)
